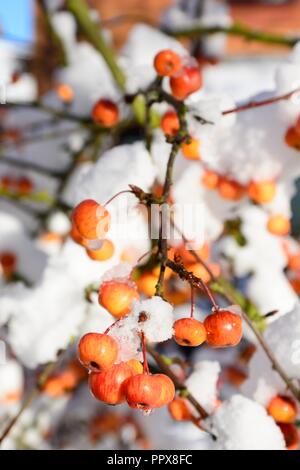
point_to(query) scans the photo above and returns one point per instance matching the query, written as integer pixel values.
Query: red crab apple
(110, 386)
(224, 328)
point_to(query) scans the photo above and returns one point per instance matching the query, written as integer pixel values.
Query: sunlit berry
(231, 190)
(97, 351)
(210, 179)
(167, 393)
(136, 365)
(170, 123)
(294, 261)
(292, 138)
(91, 219)
(104, 253)
(262, 192)
(167, 63)
(290, 434)
(110, 386)
(65, 93)
(106, 113)
(278, 224)
(147, 391)
(189, 332)
(186, 82)
(283, 409)
(65, 381)
(223, 329)
(117, 297)
(185, 253)
(179, 409)
(191, 150)
(146, 283)
(199, 270)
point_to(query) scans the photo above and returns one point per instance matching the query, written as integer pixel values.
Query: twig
(236, 29)
(258, 104)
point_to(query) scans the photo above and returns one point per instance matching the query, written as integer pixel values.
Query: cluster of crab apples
(22, 186)
(112, 381)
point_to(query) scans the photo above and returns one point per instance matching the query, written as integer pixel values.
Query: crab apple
(223, 328)
(24, 186)
(7, 183)
(97, 351)
(186, 82)
(278, 224)
(136, 365)
(143, 391)
(262, 192)
(8, 263)
(104, 253)
(290, 434)
(294, 261)
(179, 409)
(76, 237)
(200, 271)
(65, 93)
(210, 179)
(292, 138)
(189, 332)
(167, 63)
(146, 284)
(147, 391)
(167, 390)
(283, 409)
(110, 386)
(191, 150)
(91, 219)
(64, 381)
(117, 297)
(231, 190)
(106, 113)
(170, 123)
(187, 256)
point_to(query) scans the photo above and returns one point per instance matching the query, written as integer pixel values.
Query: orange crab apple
(146, 283)
(262, 192)
(189, 332)
(200, 271)
(170, 123)
(167, 390)
(136, 365)
(76, 237)
(117, 296)
(278, 224)
(294, 261)
(290, 434)
(91, 220)
(106, 113)
(97, 351)
(210, 179)
(110, 386)
(292, 137)
(65, 93)
(104, 253)
(167, 63)
(187, 255)
(187, 82)
(179, 409)
(191, 150)
(224, 328)
(24, 186)
(283, 409)
(231, 190)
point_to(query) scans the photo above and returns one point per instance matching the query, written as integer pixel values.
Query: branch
(93, 33)
(236, 29)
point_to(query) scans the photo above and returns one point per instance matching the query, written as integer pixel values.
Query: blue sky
(16, 18)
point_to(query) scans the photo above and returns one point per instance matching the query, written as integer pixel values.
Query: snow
(202, 383)
(242, 424)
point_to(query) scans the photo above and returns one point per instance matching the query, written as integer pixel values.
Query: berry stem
(117, 195)
(192, 302)
(111, 326)
(145, 362)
